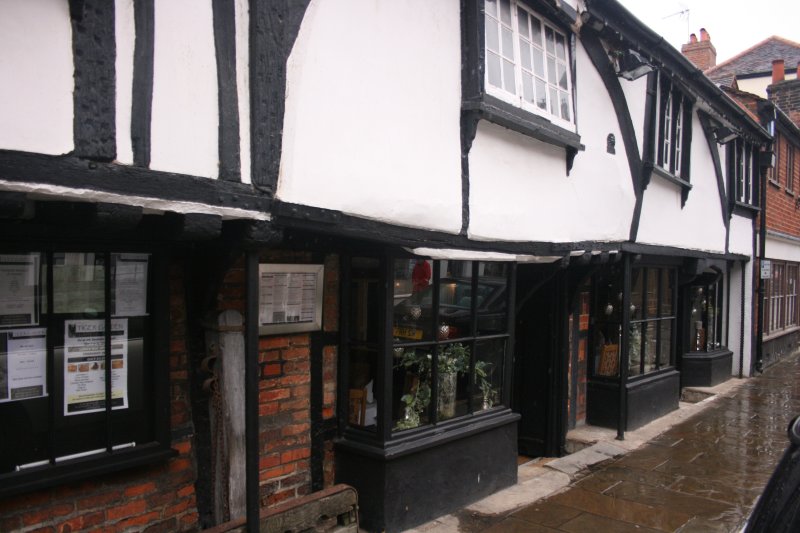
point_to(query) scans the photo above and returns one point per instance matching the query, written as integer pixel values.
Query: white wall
(185, 124)
(36, 76)
(777, 248)
(741, 237)
(699, 224)
(372, 112)
(519, 188)
(243, 83)
(125, 30)
(636, 96)
(759, 86)
(737, 306)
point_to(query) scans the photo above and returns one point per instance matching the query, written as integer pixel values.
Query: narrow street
(704, 474)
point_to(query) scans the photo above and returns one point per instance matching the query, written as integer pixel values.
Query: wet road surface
(703, 474)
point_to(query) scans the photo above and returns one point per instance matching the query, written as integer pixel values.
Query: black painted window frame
(681, 106)
(385, 436)
(111, 460)
(646, 270)
(706, 282)
(476, 99)
(743, 172)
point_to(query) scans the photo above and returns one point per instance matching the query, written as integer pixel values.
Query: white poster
(130, 285)
(84, 366)
(18, 279)
(23, 364)
(287, 297)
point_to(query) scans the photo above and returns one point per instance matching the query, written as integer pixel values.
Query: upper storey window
(743, 170)
(674, 129)
(527, 62)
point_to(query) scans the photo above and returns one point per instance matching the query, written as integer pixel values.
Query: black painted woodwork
(94, 97)
(68, 171)
(647, 398)
(273, 30)
(706, 369)
(13, 204)
(399, 492)
(142, 84)
(225, 47)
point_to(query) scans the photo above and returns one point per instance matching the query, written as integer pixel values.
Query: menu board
(290, 298)
(23, 364)
(18, 290)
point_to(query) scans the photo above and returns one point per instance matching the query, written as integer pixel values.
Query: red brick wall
(155, 498)
(285, 416)
(783, 209)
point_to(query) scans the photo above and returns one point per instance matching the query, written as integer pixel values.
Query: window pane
(536, 31)
(651, 298)
(78, 283)
(650, 345)
(562, 76)
(553, 101)
(492, 298)
(453, 369)
(527, 87)
(455, 300)
(538, 64)
(550, 40)
(488, 375)
(561, 48)
(551, 71)
(491, 7)
(413, 300)
(637, 294)
(522, 18)
(525, 54)
(411, 387)
(697, 334)
(492, 36)
(541, 94)
(365, 273)
(667, 276)
(505, 11)
(508, 77)
(493, 69)
(564, 99)
(665, 346)
(635, 349)
(508, 44)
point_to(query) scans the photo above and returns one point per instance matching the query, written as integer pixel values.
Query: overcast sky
(734, 25)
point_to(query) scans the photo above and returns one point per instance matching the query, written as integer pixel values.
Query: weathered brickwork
(156, 498)
(783, 190)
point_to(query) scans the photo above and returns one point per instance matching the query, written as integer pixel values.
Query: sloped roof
(757, 58)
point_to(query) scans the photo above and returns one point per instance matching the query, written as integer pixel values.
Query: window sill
(772, 335)
(430, 436)
(774, 184)
(741, 206)
(14, 483)
(672, 178)
(514, 118)
(789, 193)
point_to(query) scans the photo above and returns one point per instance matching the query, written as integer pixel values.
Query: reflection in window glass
(453, 368)
(363, 342)
(412, 387)
(488, 375)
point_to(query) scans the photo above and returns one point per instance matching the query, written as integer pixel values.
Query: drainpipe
(251, 391)
(741, 326)
(623, 347)
(762, 254)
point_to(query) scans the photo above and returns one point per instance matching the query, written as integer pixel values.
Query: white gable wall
(185, 123)
(36, 72)
(373, 99)
(636, 96)
(519, 188)
(125, 32)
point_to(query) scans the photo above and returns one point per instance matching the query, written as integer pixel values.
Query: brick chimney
(785, 93)
(702, 53)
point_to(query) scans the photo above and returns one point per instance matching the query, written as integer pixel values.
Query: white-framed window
(527, 62)
(742, 160)
(673, 128)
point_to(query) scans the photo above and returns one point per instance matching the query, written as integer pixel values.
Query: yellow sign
(407, 333)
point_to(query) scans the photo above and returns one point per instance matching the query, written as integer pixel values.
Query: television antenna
(681, 14)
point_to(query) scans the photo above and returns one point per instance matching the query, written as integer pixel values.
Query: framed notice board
(289, 298)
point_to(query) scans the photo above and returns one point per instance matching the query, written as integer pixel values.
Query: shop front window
(77, 360)
(652, 320)
(446, 344)
(705, 313)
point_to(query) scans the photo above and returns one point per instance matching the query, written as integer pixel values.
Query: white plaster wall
(636, 96)
(737, 307)
(777, 248)
(741, 236)
(373, 98)
(699, 224)
(185, 123)
(36, 76)
(519, 189)
(242, 14)
(125, 31)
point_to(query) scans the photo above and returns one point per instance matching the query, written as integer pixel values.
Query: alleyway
(702, 475)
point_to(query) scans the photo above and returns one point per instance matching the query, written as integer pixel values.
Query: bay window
(652, 320)
(527, 61)
(705, 313)
(427, 341)
(78, 364)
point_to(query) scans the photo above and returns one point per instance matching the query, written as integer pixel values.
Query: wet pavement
(703, 474)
